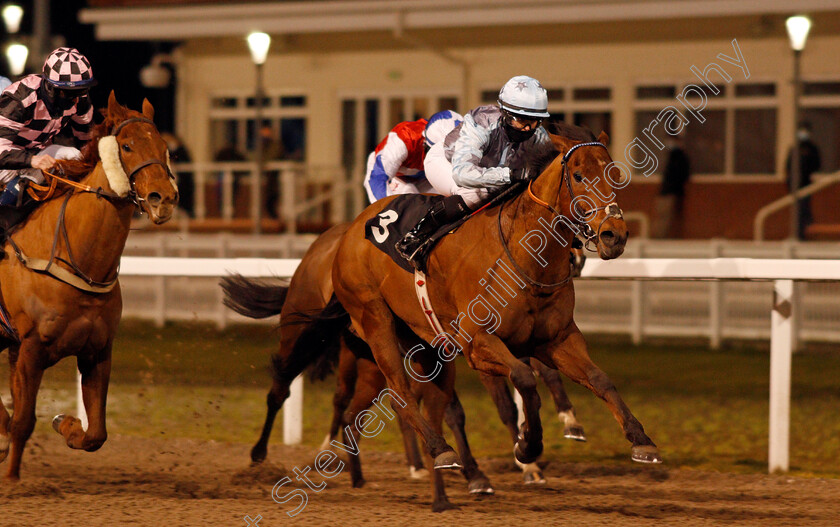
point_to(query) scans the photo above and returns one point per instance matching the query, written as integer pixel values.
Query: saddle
(402, 214)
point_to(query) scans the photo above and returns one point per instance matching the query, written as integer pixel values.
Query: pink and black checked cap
(67, 68)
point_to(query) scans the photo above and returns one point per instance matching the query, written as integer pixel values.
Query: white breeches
(439, 173)
(56, 151)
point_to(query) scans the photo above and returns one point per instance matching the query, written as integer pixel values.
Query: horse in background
(59, 272)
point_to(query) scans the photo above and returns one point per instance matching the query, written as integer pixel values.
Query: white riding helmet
(523, 95)
(439, 126)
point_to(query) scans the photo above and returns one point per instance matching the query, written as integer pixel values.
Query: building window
(233, 127)
(821, 110)
(738, 137)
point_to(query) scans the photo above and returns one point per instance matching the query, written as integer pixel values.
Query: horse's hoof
(359, 483)
(448, 460)
(325, 444)
(645, 454)
(56, 422)
(533, 477)
(258, 455)
(481, 485)
(440, 506)
(526, 457)
(418, 473)
(575, 433)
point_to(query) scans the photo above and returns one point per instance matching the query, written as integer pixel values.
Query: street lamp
(258, 43)
(16, 53)
(797, 28)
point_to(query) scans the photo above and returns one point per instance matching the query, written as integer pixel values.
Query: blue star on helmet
(521, 85)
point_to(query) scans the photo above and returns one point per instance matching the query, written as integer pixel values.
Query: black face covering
(517, 136)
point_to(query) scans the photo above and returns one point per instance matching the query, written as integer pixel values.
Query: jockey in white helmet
(486, 152)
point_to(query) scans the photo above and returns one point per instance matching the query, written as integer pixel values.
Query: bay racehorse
(529, 312)
(358, 379)
(360, 384)
(58, 275)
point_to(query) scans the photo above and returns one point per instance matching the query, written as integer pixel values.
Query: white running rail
(782, 320)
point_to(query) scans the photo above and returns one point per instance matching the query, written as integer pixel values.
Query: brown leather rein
(75, 276)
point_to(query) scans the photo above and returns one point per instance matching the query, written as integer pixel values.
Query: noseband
(612, 209)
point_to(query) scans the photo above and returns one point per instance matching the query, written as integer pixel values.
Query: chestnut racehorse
(71, 306)
(530, 313)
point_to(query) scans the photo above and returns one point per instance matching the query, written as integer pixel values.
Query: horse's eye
(126, 147)
(578, 177)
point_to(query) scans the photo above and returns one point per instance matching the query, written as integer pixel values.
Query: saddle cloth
(396, 219)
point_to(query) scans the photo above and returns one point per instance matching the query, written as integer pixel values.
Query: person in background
(396, 165)
(669, 203)
(809, 162)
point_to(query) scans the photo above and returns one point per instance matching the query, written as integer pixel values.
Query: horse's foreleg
(25, 379)
(497, 387)
(572, 429)
(376, 323)
(456, 421)
(4, 431)
(96, 375)
(490, 356)
(570, 355)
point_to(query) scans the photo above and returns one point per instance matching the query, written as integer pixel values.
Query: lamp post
(797, 29)
(258, 43)
(16, 53)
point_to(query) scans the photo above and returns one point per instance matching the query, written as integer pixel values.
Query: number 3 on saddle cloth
(400, 216)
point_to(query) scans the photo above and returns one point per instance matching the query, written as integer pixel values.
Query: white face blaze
(169, 165)
(110, 154)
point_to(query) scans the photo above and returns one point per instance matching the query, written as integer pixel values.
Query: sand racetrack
(182, 482)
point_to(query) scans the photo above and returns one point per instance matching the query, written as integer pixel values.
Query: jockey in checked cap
(396, 165)
(34, 111)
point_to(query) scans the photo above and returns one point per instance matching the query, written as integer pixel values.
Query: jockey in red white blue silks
(34, 111)
(396, 165)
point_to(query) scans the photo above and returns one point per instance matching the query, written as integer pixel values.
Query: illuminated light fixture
(258, 43)
(798, 28)
(11, 17)
(17, 54)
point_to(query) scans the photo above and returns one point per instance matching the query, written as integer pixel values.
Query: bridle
(132, 194)
(76, 276)
(586, 231)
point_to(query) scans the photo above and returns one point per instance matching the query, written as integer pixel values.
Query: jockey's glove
(518, 174)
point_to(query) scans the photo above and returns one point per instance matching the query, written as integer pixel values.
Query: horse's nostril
(154, 199)
(607, 237)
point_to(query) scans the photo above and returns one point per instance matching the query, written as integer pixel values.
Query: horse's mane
(76, 169)
(539, 161)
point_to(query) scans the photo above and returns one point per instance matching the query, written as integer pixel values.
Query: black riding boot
(444, 211)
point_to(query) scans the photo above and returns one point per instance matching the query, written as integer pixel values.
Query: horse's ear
(148, 110)
(604, 139)
(561, 143)
(112, 101)
(115, 111)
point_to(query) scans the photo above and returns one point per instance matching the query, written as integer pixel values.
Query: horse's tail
(253, 298)
(318, 345)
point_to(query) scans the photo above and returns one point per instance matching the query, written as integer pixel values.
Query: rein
(77, 278)
(613, 211)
